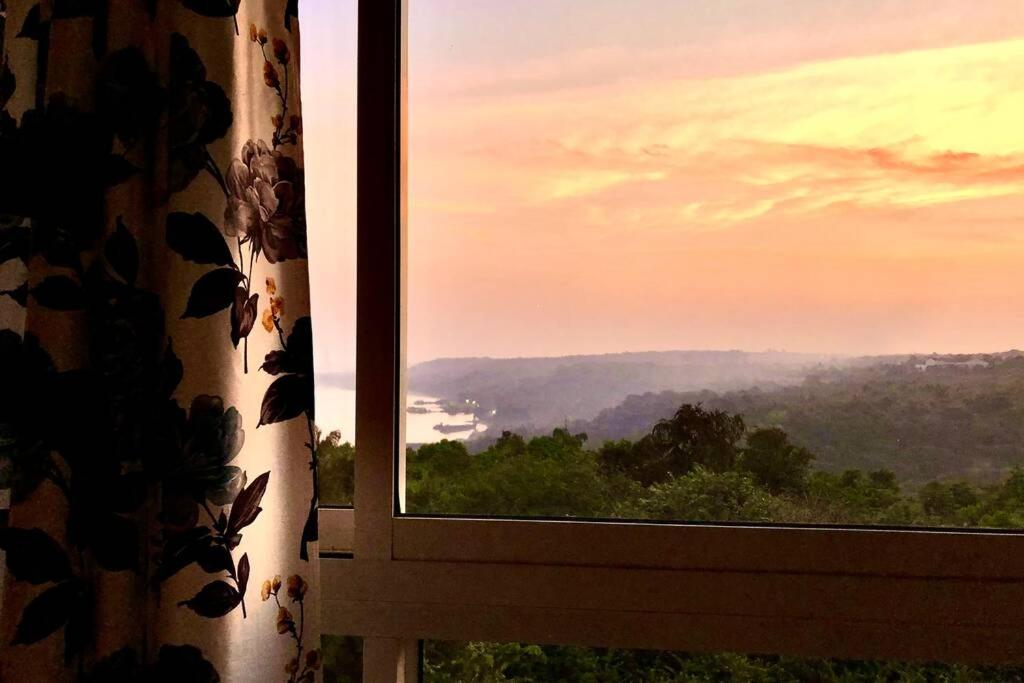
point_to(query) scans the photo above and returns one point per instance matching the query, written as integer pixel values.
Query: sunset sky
(590, 176)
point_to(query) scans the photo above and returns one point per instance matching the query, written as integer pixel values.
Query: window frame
(871, 593)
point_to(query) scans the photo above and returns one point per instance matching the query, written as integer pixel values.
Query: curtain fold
(156, 373)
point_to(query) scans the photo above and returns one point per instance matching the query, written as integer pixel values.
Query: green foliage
(774, 462)
(703, 495)
(699, 465)
(447, 662)
(336, 470)
(940, 424)
(693, 436)
(545, 476)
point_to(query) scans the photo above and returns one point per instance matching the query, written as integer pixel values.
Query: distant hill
(536, 393)
(925, 416)
(946, 421)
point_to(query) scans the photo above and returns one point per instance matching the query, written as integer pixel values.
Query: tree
(774, 462)
(336, 470)
(693, 436)
(703, 495)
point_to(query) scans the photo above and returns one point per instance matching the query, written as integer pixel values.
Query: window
(615, 209)
(795, 590)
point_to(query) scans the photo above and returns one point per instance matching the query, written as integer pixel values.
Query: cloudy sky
(589, 176)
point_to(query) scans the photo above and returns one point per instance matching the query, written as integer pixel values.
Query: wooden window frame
(867, 593)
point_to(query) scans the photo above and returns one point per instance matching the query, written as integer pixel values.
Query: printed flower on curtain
(200, 113)
(265, 206)
(264, 193)
(195, 471)
(303, 666)
(273, 79)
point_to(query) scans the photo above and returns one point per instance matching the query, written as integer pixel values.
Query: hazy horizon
(834, 178)
(350, 372)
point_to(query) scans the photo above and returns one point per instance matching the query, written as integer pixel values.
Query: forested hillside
(696, 463)
(921, 424)
(538, 393)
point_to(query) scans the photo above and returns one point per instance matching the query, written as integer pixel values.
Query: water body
(336, 409)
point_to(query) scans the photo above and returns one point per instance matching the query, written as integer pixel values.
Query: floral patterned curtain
(156, 391)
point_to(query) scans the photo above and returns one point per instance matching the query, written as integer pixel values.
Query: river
(336, 409)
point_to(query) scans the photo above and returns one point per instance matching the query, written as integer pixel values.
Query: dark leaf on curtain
(59, 292)
(37, 179)
(181, 550)
(197, 239)
(123, 253)
(128, 492)
(175, 664)
(129, 96)
(117, 169)
(8, 82)
(59, 246)
(178, 663)
(114, 541)
(34, 556)
(79, 630)
(289, 396)
(200, 113)
(71, 9)
(243, 315)
(310, 530)
(243, 573)
(47, 612)
(292, 10)
(216, 599)
(215, 558)
(26, 372)
(33, 26)
(120, 666)
(213, 8)
(276, 362)
(300, 345)
(81, 401)
(298, 354)
(247, 505)
(171, 371)
(15, 243)
(213, 292)
(19, 294)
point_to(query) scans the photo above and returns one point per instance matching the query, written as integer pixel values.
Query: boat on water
(453, 429)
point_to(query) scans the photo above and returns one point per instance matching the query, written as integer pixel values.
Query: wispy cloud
(917, 128)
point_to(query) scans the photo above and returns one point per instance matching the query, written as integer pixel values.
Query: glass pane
(329, 123)
(448, 662)
(717, 260)
(343, 659)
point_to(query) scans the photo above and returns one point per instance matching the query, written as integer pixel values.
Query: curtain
(156, 391)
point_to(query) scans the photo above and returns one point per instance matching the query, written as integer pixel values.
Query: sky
(591, 176)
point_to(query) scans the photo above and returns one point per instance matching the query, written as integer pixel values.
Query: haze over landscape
(599, 177)
(777, 201)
